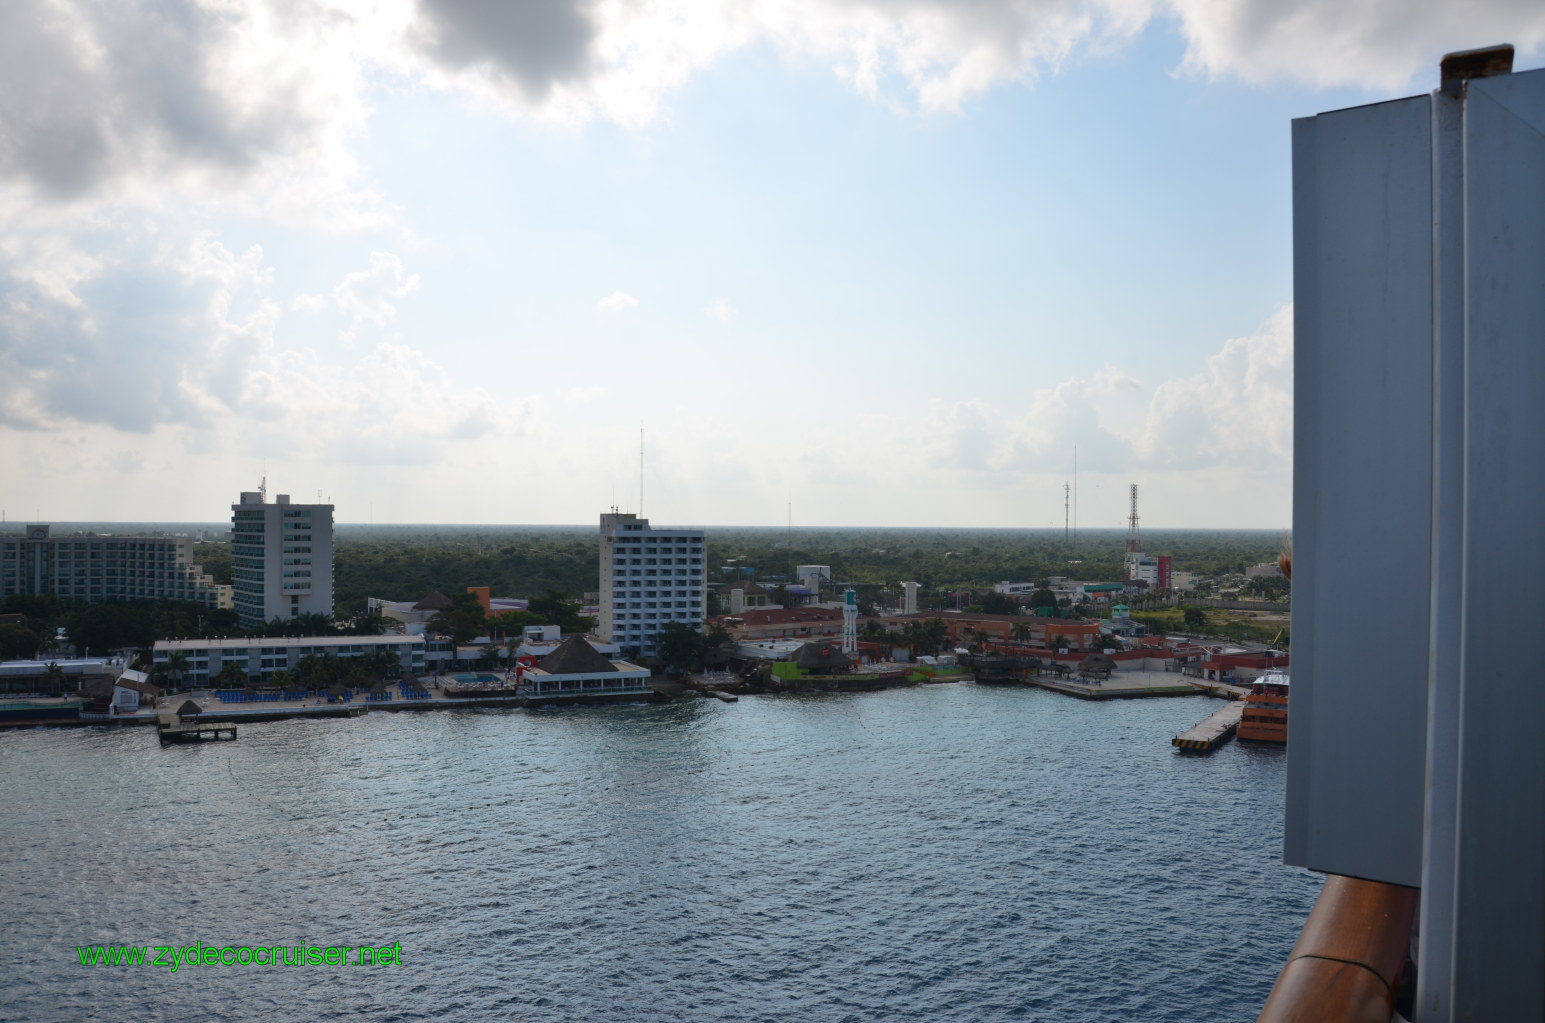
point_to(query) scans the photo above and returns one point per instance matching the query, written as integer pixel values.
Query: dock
(1212, 732)
(1121, 685)
(207, 731)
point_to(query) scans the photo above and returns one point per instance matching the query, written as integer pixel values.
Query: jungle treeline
(407, 562)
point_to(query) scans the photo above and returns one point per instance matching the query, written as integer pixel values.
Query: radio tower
(1065, 492)
(1134, 541)
(1134, 544)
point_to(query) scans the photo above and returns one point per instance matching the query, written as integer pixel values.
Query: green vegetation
(1219, 623)
(954, 567)
(408, 562)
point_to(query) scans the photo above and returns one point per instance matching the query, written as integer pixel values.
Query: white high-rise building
(649, 577)
(92, 567)
(281, 558)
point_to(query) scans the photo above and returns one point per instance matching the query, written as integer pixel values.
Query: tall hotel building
(649, 577)
(281, 558)
(92, 568)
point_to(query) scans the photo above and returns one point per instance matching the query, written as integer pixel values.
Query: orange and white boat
(1265, 714)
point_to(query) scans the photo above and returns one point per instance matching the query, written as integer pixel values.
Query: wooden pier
(1212, 732)
(208, 731)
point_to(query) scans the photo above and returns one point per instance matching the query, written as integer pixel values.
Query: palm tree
(1022, 632)
(934, 632)
(53, 678)
(177, 666)
(232, 676)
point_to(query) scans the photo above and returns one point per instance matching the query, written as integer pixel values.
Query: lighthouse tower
(850, 622)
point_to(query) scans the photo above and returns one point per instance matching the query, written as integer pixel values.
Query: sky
(845, 263)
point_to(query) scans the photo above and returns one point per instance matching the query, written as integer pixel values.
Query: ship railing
(1348, 962)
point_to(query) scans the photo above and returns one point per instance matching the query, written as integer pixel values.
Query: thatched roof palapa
(436, 601)
(189, 709)
(575, 656)
(1097, 663)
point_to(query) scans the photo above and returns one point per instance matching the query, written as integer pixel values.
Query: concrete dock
(1122, 685)
(1212, 732)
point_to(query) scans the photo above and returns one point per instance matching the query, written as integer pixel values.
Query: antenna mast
(1066, 490)
(1075, 495)
(1134, 542)
(640, 471)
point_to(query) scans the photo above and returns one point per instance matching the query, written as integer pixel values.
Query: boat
(1265, 715)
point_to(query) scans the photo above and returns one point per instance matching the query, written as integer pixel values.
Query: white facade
(261, 658)
(649, 577)
(93, 568)
(627, 678)
(281, 558)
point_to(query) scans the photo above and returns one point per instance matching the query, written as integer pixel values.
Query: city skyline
(444, 262)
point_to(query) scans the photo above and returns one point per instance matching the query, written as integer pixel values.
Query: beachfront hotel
(281, 558)
(91, 568)
(261, 658)
(649, 576)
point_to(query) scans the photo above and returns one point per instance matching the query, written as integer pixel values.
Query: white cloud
(615, 59)
(245, 106)
(1235, 415)
(309, 303)
(186, 341)
(1237, 412)
(719, 310)
(617, 302)
(1380, 44)
(370, 296)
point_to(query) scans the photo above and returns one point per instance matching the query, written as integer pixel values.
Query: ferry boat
(1265, 714)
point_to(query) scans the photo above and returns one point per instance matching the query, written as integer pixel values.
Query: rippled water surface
(948, 852)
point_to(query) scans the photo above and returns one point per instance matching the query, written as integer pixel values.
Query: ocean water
(952, 852)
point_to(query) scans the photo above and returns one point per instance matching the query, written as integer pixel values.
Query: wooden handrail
(1347, 963)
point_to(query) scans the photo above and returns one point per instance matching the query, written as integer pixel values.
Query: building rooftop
(246, 642)
(574, 656)
(786, 615)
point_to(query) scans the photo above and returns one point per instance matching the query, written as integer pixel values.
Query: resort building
(261, 658)
(576, 668)
(783, 623)
(649, 577)
(281, 558)
(93, 568)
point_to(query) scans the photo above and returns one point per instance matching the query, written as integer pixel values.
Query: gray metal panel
(1435, 954)
(1499, 938)
(1362, 478)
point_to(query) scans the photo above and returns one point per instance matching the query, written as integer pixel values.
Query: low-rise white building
(577, 669)
(262, 658)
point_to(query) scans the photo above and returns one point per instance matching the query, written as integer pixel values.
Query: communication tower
(1134, 542)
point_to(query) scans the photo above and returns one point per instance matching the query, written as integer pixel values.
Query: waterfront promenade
(212, 708)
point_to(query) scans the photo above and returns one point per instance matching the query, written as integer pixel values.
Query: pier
(1212, 732)
(207, 731)
(1121, 685)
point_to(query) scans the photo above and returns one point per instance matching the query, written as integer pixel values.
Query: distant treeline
(406, 562)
